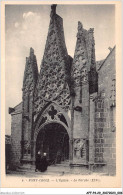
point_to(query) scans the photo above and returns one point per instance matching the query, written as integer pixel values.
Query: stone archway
(53, 139)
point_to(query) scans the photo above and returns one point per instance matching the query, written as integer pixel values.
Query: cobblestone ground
(52, 170)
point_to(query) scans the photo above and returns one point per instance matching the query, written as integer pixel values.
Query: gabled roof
(16, 109)
(110, 53)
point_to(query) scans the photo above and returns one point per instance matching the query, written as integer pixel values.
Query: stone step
(26, 167)
(62, 168)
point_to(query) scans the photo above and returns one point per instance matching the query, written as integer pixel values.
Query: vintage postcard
(61, 94)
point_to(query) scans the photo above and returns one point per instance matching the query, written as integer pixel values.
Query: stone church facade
(68, 109)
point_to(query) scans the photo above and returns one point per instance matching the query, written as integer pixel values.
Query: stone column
(33, 152)
(27, 128)
(71, 135)
(92, 130)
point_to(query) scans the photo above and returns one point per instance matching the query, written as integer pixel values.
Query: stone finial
(80, 26)
(27, 59)
(110, 49)
(11, 110)
(91, 30)
(31, 52)
(80, 30)
(53, 9)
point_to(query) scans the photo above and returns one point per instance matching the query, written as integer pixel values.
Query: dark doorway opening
(53, 140)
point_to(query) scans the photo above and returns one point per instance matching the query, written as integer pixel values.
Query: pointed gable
(31, 72)
(52, 74)
(84, 57)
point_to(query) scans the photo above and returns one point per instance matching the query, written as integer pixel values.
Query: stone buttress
(29, 84)
(84, 83)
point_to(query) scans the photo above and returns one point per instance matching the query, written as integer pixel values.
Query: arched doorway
(53, 139)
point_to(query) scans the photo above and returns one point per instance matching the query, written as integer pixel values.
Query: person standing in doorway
(44, 163)
(38, 161)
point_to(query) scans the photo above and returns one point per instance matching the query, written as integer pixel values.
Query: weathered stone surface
(16, 126)
(73, 86)
(105, 135)
(53, 85)
(29, 85)
(84, 82)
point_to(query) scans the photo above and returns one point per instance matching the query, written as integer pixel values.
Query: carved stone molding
(52, 114)
(79, 146)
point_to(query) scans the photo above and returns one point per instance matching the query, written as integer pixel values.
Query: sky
(27, 26)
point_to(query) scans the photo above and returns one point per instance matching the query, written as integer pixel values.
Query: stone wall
(100, 124)
(105, 132)
(16, 130)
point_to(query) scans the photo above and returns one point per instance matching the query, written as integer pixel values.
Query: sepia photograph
(60, 91)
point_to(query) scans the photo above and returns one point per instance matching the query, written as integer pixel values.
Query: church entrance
(53, 140)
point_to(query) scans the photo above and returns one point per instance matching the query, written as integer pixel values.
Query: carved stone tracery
(30, 74)
(84, 57)
(52, 114)
(52, 84)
